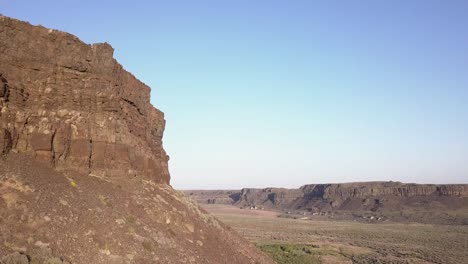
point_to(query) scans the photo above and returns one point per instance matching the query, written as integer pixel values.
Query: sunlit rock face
(72, 105)
(83, 174)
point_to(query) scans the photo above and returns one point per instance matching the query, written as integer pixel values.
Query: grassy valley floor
(298, 241)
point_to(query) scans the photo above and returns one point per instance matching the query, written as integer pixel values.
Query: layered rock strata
(72, 105)
(359, 195)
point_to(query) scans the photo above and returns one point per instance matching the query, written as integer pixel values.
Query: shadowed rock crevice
(133, 104)
(5, 141)
(90, 157)
(4, 89)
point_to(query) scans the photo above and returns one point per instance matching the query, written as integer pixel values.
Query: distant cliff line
(341, 196)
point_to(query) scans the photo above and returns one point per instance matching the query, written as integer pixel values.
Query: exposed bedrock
(83, 173)
(72, 105)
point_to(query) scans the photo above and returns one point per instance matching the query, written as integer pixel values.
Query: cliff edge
(72, 105)
(83, 173)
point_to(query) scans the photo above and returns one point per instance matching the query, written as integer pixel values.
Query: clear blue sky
(284, 93)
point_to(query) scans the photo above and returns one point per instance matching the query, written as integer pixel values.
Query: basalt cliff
(360, 195)
(73, 106)
(380, 197)
(83, 174)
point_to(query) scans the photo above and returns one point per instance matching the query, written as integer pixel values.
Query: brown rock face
(72, 105)
(346, 191)
(83, 174)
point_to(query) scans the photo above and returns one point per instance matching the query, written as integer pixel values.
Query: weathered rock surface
(339, 193)
(85, 219)
(83, 174)
(38, 256)
(72, 105)
(213, 196)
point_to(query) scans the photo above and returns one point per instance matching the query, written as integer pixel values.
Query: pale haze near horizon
(286, 93)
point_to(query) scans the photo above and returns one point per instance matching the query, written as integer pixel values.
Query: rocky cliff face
(213, 196)
(268, 197)
(342, 192)
(349, 196)
(72, 105)
(339, 195)
(83, 174)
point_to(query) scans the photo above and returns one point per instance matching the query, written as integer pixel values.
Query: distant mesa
(352, 197)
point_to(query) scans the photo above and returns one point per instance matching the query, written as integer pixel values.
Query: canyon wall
(352, 196)
(346, 191)
(72, 105)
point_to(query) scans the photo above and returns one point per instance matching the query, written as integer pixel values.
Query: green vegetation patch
(293, 253)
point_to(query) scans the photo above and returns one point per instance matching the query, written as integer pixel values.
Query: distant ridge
(355, 196)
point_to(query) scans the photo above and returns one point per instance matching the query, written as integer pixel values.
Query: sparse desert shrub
(292, 254)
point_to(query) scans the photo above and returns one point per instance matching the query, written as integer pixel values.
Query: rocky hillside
(83, 173)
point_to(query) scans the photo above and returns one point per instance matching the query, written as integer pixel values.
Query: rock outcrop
(346, 191)
(213, 196)
(72, 105)
(268, 197)
(345, 196)
(83, 173)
